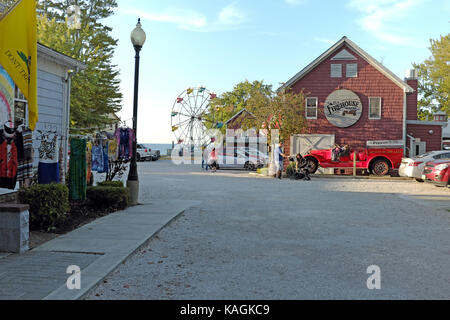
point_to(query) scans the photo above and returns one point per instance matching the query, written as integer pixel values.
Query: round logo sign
(343, 108)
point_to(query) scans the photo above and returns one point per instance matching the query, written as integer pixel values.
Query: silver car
(242, 159)
(413, 167)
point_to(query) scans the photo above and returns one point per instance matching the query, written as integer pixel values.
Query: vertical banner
(18, 51)
(6, 97)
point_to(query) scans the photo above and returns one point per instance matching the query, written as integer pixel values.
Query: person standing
(205, 158)
(213, 160)
(278, 159)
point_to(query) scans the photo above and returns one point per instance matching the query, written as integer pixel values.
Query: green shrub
(49, 204)
(290, 169)
(108, 197)
(116, 184)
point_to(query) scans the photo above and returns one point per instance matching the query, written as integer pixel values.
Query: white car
(254, 157)
(239, 160)
(143, 153)
(413, 167)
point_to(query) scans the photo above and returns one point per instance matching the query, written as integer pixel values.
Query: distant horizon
(157, 143)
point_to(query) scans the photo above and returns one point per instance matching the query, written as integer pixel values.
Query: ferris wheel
(192, 115)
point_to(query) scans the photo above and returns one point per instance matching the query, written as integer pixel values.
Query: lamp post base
(133, 188)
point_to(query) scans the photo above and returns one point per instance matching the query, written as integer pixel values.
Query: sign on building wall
(6, 97)
(343, 108)
(385, 143)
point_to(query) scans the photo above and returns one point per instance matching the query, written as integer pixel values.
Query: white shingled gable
(344, 55)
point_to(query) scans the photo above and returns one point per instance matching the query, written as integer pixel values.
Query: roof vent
(411, 74)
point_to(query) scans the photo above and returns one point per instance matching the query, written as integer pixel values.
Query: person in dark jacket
(301, 166)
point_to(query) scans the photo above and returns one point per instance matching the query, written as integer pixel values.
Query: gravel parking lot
(255, 238)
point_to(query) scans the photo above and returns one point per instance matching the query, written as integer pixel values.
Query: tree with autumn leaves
(434, 80)
(283, 110)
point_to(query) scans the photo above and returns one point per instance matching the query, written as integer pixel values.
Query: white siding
(51, 104)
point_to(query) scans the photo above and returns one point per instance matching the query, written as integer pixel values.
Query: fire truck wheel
(313, 165)
(419, 180)
(380, 168)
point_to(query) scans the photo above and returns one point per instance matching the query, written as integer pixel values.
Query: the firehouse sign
(343, 108)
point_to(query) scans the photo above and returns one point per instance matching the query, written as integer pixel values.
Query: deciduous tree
(95, 92)
(283, 110)
(434, 79)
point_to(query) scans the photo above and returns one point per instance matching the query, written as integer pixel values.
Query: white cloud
(228, 18)
(184, 19)
(381, 16)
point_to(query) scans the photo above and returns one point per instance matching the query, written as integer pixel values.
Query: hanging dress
(48, 169)
(105, 158)
(77, 172)
(25, 170)
(97, 158)
(112, 150)
(11, 153)
(131, 139)
(88, 162)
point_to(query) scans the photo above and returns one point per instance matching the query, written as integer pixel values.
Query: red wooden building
(352, 98)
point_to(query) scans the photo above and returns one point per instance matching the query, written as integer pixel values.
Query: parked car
(156, 154)
(239, 160)
(437, 172)
(413, 167)
(254, 158)
(378, 161)
(143, 153)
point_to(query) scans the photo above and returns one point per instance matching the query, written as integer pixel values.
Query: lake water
(162, 147)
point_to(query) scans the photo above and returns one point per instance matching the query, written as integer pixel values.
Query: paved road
(255, 238)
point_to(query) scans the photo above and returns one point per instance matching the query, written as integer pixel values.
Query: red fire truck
(376, 161)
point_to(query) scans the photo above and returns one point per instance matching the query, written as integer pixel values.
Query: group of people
(301, 164)
(339, 151)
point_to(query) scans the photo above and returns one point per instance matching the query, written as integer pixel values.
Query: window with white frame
(352, 70)
(311, 108)
(20, 107)
(336, 70)
(375, 108)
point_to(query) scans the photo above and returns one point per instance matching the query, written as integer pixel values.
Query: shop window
(352, 70)
(311, 108)
(20, 107)
(336, 70)
(375, 108)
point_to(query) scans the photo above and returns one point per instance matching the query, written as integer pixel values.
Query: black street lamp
(137, 39)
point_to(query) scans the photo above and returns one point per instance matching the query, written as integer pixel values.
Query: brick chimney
(411, 98)
(440, 116)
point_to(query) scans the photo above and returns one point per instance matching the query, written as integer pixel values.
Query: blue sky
(219, 43)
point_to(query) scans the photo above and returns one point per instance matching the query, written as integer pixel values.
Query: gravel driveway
(256, 238)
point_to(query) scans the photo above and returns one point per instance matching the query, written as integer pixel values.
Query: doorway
(418, 148)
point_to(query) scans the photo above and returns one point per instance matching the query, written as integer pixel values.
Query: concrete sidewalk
(97, 248)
